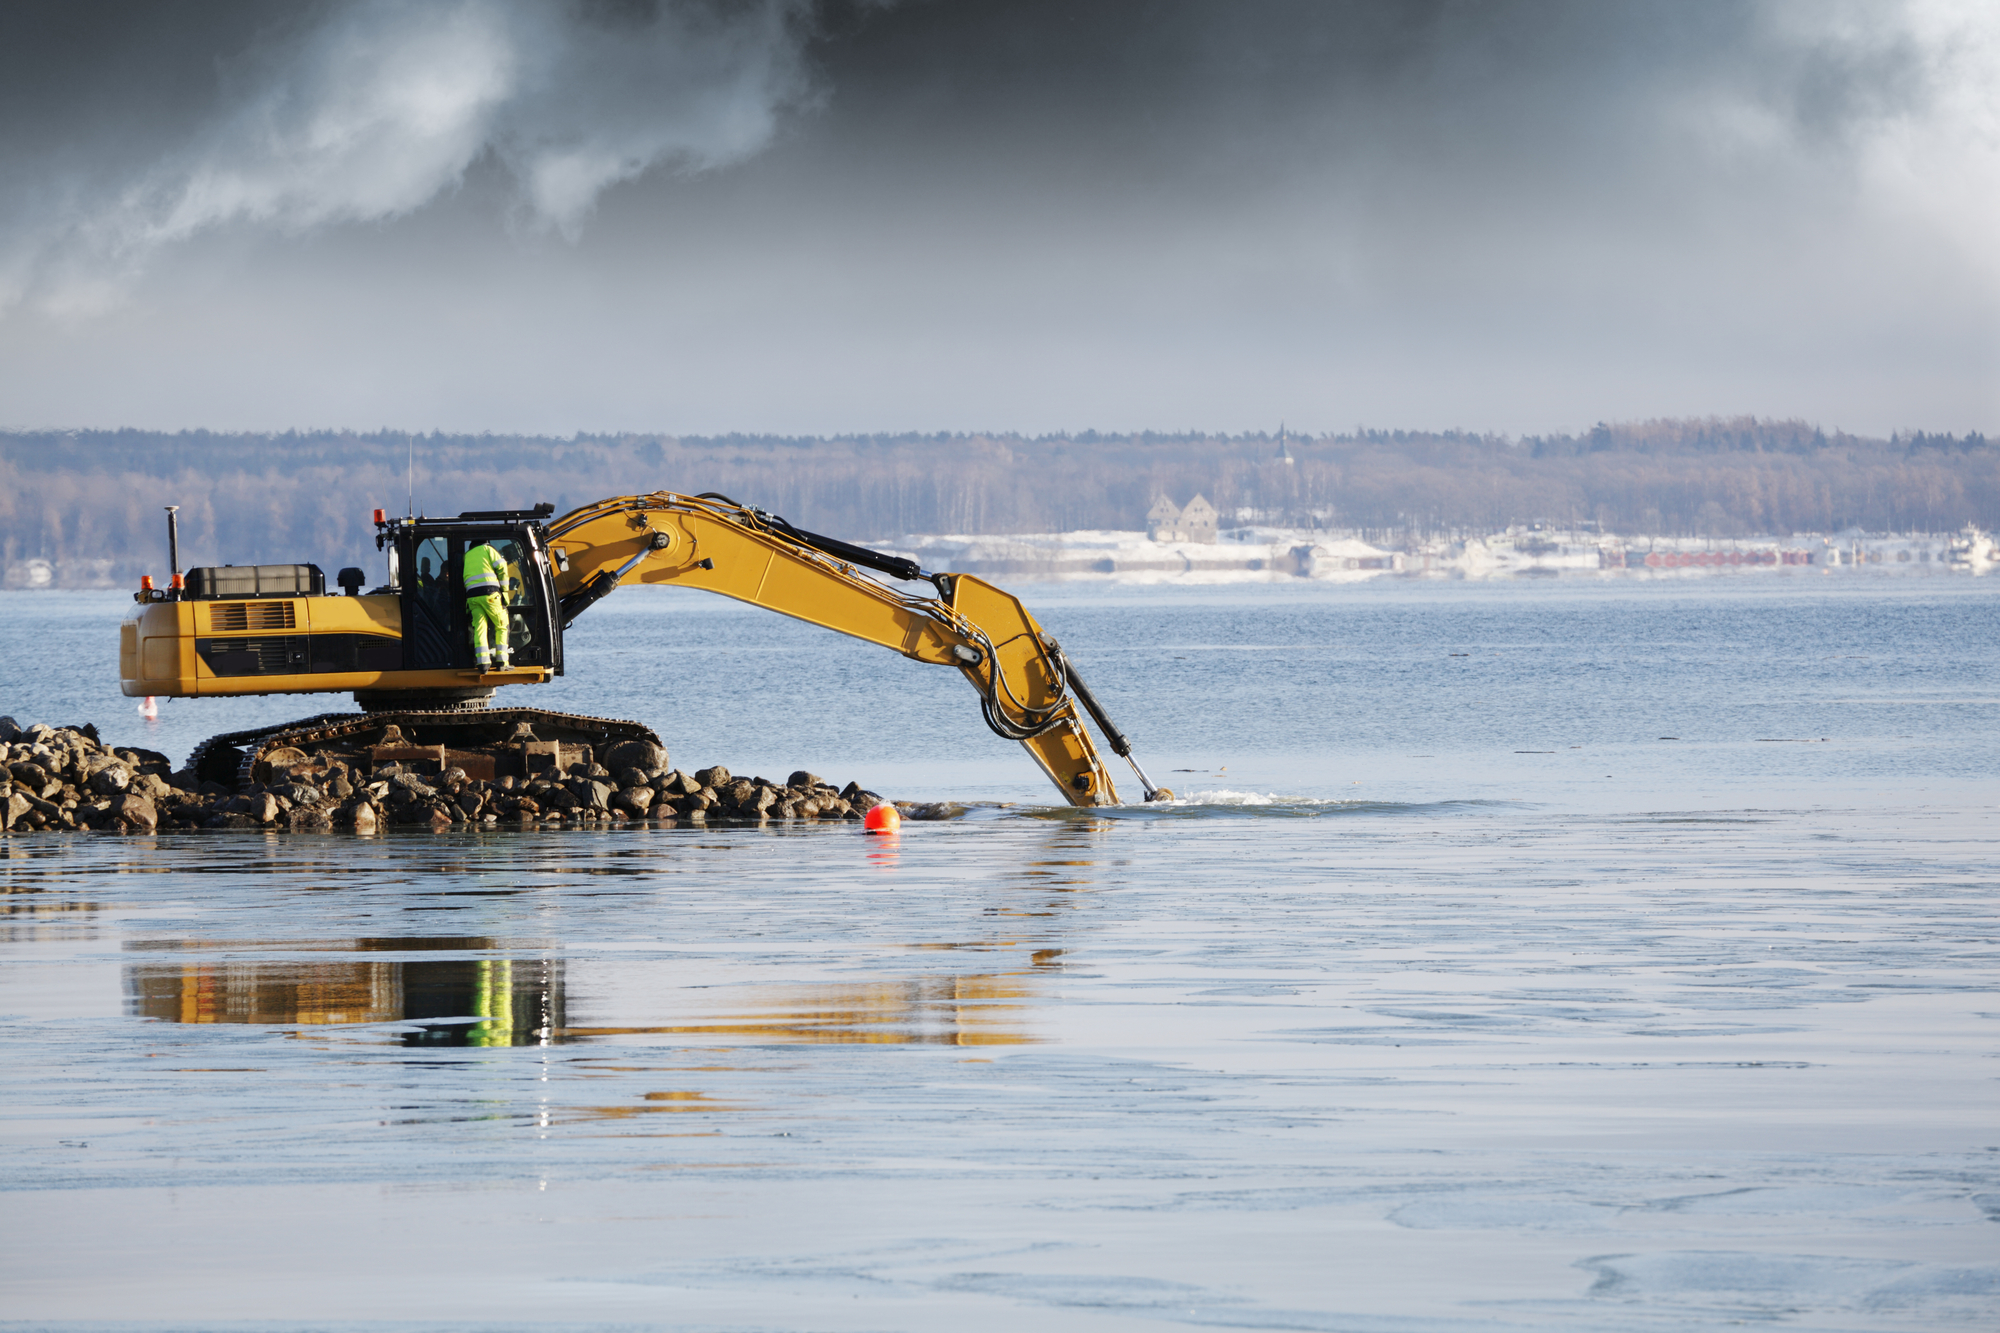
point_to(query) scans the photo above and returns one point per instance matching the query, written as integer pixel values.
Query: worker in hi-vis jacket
(485, 578)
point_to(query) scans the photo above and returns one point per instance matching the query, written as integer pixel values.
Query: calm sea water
(1585, 956)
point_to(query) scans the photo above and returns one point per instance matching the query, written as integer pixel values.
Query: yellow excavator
(404, 649)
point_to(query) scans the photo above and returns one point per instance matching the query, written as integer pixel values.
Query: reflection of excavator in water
(405, 652)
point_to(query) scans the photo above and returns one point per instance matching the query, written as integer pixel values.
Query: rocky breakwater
(65, 778)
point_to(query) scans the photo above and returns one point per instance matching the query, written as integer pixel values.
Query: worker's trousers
(489, 630)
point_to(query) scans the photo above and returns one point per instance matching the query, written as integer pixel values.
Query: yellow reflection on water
(458, 1001)
(983, 1010)
(503, 1000)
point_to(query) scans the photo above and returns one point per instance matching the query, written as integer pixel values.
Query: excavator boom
(713, 543)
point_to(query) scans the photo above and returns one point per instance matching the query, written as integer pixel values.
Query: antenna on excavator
(410, 477)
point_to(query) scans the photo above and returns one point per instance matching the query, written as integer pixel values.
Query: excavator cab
(427, 573)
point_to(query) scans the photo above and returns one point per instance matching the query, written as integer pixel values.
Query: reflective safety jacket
(485, 571)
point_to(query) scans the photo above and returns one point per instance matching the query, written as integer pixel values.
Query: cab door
(525, 600)
(434, 607)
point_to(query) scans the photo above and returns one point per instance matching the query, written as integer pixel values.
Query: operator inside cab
(485, 579)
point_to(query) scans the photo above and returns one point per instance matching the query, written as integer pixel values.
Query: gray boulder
(642, 755)
(135, 812)
(633, 801)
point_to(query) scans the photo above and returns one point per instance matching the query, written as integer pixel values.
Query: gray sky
(775, 215)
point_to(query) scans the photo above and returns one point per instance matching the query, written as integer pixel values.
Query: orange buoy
(883, 818)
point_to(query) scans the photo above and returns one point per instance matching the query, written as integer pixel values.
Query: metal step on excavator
(405, 649)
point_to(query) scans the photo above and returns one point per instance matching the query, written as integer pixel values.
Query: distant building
(1284, 448)
(1167, 522)
(1198, 521)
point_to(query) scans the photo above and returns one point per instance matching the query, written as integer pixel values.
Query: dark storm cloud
(1036, 213)
(133, 126)
(369, 110)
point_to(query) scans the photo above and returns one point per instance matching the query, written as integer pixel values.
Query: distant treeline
(89, 501)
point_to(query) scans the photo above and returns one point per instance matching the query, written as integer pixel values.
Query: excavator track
(232, 758)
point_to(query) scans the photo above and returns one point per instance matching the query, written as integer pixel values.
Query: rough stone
(633, 801)
(135, 811)
(67, 778)
(639, 754)
(439, 821)
(311, 819)
(10, 731)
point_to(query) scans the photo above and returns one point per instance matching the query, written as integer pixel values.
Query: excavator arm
(1028, 691)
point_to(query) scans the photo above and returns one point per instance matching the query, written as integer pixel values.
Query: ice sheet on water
(1818, 1200)
(1481, 1212)
(1790, 1283)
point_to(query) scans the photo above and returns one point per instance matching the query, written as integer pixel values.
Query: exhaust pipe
(174, 546)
